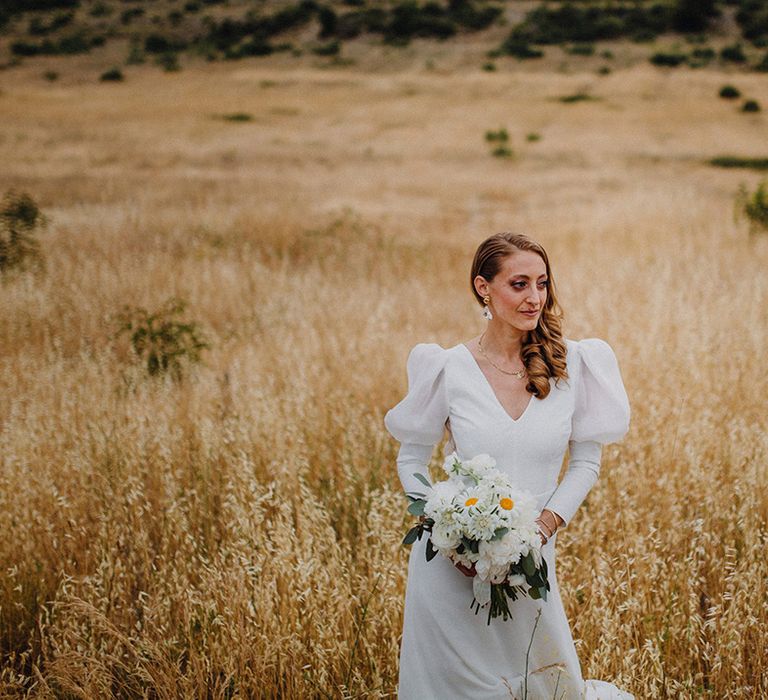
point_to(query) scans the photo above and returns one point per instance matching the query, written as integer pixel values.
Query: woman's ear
(481, 285)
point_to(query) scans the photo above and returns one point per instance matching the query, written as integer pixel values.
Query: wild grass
(237, 534)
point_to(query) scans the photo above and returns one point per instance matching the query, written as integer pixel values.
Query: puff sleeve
(418, 421)
(601, 415)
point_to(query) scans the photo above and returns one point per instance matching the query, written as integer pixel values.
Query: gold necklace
(519, 374)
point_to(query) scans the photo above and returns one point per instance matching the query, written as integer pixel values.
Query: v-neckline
(493, 392)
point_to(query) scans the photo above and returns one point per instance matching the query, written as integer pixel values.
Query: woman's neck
(504, 341)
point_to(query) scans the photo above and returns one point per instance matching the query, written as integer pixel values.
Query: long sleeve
(418, 421)
(601, 415)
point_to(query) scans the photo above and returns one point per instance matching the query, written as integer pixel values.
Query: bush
(533, 137)
(100, 9)
(157, 43)
(500, 140)
(693, 15)
(162, 343)
(733, 53)
(701, 57)
(114, 75)
(237, 117)
(576, 97)
(581, 50)
(750, 106)
(754, 206)
(169, 62)
(332, 48)
(739, 162)
(20, 221)
(51, 75)
(762, 66)
(135, 53)
(489, 66)
(127, 16)
(729, 92)
(518, 46)
(752, 17)
(668, 59)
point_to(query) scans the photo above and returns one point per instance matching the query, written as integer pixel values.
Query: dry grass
(237, 535)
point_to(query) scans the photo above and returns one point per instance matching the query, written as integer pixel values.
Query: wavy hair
(544, 348)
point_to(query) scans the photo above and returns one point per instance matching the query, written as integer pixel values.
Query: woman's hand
(548, 522)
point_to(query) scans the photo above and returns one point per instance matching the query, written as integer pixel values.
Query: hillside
(389, 35)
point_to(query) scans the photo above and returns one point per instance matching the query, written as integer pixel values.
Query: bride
(523, 394)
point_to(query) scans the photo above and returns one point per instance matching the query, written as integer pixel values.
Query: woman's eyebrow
(543, 274)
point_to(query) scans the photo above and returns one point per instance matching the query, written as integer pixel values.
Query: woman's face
(520, 285)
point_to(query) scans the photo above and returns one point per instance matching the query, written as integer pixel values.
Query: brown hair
(544, 348)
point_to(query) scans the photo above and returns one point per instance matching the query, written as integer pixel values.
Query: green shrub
(576, 97)
(114, 75)
(100, 9)
(752, 17)
(729, 92)
(332, 48)
(164, 344)
(733, 53)
(51, 75)
(20, 221)
(739, 162)
(500, 141)
(127, 16)
(169, 62)
(502, 151)
(502, 136)
(753, 205)
(668, 59)
(489, 66)
(518, 46)
(157, 43)
(135, 53)
(581, 50)
(762, 66)
(693, 15)
(750, 106)
(237, 117)
(533, 137)
(604, 70)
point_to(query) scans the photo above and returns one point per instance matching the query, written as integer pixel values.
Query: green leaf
(411, 535)
(534, 593)
(500, 532)
(417, 507)
(422, 479)
(529, 566)
(414, 495)
(430, 551)
(542, 592)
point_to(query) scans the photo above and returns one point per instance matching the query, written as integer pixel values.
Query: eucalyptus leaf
(411, 535)
(534, 593)
(417, 507)
(529, 566)
(500, 532)
(415, 495)
(423, 479)
(430, 551)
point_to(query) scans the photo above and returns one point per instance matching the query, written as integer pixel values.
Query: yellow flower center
(507, 503)
(470, 501)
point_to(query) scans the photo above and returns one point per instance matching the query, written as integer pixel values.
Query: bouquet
(479, 519)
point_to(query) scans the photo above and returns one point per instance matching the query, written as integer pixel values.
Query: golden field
(237, 534)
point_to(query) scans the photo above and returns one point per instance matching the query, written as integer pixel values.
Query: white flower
(440, 499)
(516, 580)
(444, 537)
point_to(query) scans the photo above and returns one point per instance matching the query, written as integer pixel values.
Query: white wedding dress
(448, 652)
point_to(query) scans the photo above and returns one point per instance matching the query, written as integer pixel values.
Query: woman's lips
(529, 313)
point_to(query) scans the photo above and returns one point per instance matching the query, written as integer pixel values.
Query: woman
(523, 394)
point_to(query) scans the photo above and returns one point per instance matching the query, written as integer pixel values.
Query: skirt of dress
(450, 653)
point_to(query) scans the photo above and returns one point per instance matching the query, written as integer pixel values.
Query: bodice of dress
(447, 388)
